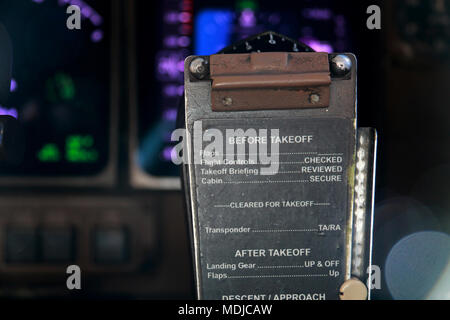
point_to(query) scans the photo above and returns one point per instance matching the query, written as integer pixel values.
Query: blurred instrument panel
(187, 27)
(61, 91)
(97, 187)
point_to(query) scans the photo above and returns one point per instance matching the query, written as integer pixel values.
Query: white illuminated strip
(360, 206)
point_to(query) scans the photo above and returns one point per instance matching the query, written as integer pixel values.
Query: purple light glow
(38, 1)
(97, 35)
(170, 114)
(317, 14)
(181, 66)
(13, 86)
(316, 45)
(171, 17)
(96, 19)
(86, 12)
(167, 153)
(170, 65)
(170, 41)
(184, 17)
(9, 112)
(174, 41)
(172, 90)
(247, 18)
(184, 41)
(340, 29)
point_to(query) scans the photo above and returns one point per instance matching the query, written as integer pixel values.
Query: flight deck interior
(97, 188)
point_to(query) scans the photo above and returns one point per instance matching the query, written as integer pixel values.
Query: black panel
(279, 242)
(60, 86)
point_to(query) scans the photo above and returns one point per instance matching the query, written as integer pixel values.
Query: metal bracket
(270, 80)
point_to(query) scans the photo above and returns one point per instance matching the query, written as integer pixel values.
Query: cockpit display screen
(60, 87)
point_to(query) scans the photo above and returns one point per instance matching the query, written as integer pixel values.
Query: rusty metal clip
(270, 81)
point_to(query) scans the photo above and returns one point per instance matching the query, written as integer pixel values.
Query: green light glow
(66, 84)
(247, 4)
(49, 153)
(60, 87)
(79, 149)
